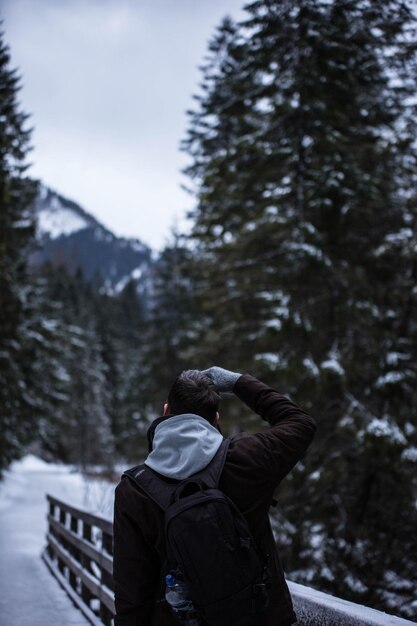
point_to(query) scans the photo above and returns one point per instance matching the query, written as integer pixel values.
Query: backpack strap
(158, 490)
(161, 491)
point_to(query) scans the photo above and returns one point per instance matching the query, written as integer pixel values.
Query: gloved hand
(223, 379)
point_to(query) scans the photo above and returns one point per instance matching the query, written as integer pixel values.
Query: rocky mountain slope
(69, 236)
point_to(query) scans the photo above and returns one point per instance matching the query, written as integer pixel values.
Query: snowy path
(30, 596)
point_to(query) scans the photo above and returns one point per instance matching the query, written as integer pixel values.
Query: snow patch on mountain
(57, 216)
(72, 238)
(59, 221)
(135, 274)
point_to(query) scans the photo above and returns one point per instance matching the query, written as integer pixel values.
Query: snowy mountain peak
(57, 221)
(70, 237)
(57, 216)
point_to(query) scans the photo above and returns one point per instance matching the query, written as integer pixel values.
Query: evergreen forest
(300, 267)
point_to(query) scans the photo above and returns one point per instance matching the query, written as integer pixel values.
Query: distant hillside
(71, 237)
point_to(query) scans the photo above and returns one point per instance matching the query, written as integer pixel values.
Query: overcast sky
(107, 83)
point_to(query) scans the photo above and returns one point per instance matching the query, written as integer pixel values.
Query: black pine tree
(303, 155)
(47, 341)
(16, 235)
(122, 332)
(72, 385)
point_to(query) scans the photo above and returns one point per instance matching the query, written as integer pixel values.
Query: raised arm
(282, 445)
(291, 431)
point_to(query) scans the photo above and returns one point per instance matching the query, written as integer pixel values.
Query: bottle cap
(170, 580)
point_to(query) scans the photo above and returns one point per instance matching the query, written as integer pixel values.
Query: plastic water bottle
(177, 595)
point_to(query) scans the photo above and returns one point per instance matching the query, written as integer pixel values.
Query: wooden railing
(79, 554)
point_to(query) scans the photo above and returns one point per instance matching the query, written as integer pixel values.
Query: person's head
(194, 392)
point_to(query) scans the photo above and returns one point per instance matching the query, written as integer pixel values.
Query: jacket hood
(183, 445)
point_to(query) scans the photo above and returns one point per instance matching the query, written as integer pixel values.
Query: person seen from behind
(182, 443)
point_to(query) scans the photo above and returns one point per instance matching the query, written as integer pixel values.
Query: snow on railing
(79, 554)
(315, 608)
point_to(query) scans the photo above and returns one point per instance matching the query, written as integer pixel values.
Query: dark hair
(194, 392)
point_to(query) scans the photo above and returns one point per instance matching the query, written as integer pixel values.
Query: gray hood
(183, 445)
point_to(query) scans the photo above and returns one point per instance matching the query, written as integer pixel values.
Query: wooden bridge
(79, 555)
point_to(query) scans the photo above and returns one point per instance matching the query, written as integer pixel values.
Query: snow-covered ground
(30, 596)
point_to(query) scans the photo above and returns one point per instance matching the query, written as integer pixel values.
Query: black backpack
(209, 544)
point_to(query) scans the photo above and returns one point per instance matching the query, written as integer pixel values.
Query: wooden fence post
(74, 551)
(62, 517)
(86, 564)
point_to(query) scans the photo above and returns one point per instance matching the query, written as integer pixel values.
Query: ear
(216, 419)
(167, 409)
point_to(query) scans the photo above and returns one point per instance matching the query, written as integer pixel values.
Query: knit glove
(223, 379)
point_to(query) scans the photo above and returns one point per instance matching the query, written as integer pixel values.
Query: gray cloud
(107, 83)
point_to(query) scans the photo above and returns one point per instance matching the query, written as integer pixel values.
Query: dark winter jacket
(255, 465)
